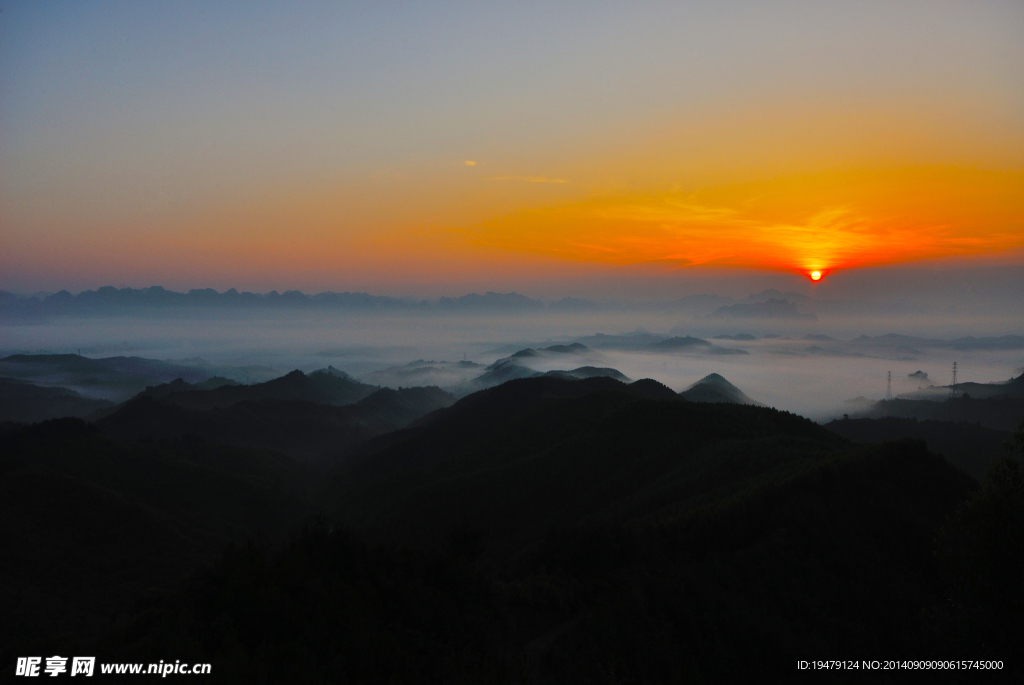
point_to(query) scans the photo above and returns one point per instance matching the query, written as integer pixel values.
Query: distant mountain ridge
(115, 301)
(110, 301)
(118, 301)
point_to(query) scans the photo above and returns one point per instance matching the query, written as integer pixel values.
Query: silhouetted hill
(553, 351)
(637, 340)
(651, 389)
(571, 348)
(970, 447)
(679, 343)
(590, 372)
(159, 392)
(517, 366)
(24, 402)
(331, 371)
(301, 429)
(714, 388)
(112, 378)
(693, 345)
(318, 387)
(548, 436)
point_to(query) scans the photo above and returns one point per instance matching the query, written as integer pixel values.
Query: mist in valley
(810, 366)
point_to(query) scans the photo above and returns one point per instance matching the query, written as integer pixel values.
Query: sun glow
(815, 275)
(846, 219)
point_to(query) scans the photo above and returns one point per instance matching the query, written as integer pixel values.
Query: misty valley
(601, 507)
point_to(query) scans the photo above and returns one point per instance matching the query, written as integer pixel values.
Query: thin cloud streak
(832, 221)
(529, 179)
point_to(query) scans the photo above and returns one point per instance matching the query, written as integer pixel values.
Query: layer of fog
(779, 372)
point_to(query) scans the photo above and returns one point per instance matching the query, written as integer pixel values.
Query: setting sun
(815, 275)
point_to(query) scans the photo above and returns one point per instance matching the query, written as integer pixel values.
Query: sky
(439, 147)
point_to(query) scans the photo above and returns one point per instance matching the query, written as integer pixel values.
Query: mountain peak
(715, 388)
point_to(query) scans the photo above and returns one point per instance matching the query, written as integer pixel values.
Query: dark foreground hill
(552, 530)
(968, 446)
(89, 525)
(529, 455)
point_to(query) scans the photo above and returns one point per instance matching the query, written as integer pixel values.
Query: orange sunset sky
(441, 147)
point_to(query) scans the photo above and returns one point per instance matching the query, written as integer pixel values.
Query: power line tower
(952, 387)
(888, 387)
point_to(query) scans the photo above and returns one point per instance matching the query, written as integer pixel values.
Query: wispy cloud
(832, 220)
(529, 179)
(469, 162)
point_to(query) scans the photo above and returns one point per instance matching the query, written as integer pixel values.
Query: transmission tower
(888, 387)
(952, 388)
